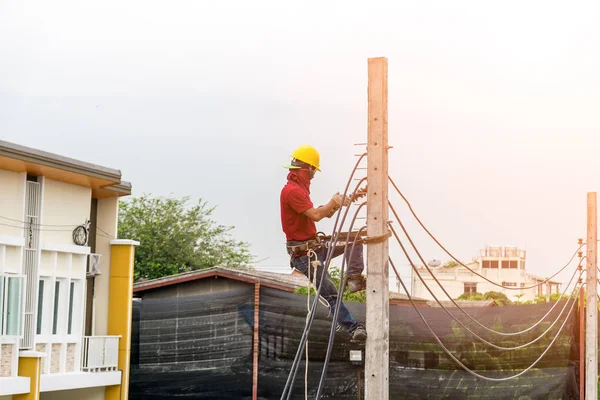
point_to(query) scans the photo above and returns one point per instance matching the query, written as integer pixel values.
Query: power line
(461, 263)
(464, 367)
(474, 320)
(337, 306)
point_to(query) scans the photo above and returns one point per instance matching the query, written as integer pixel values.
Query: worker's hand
(341, 200)
(338, 199)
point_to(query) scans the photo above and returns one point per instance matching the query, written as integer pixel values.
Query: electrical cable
(41, 230)
(27, 222)
(456, 360)
(338, 305)
(440, 284)
(294, 369)
(461, 263)
(35, 224)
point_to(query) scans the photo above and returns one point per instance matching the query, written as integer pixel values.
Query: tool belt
(297, 248)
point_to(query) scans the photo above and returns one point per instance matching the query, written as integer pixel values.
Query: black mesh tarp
(201, 348)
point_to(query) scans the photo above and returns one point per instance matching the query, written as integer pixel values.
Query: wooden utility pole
(591, 309)
(378, 325)
(581, 343)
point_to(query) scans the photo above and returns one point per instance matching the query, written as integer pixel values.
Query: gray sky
(493, 108)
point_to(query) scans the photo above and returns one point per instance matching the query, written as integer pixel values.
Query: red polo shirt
(294, 200)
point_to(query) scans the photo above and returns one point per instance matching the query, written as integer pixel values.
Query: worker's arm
(317, 214)
(327, 210)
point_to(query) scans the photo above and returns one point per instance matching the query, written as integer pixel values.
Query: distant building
(503, 265)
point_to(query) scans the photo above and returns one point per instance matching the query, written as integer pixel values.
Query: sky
(493, 108)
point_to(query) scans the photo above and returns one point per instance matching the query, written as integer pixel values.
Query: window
(40, 307)
(489, 264)
(55, 316)
(510, 284)
(505, 264)
(11, 305)
(470, 287)
(71, 294)
(514, 264)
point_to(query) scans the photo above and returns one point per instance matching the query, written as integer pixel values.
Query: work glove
(341, 200)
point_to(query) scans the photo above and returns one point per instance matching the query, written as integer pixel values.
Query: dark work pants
(328, 290)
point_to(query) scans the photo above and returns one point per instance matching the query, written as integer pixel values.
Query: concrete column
(30, 366)
(120, 309)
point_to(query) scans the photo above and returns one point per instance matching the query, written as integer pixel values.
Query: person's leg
(328, 289)
(354, 257)
(355, 262)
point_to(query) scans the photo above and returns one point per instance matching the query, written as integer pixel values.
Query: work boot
(356, 283)
(359, 334)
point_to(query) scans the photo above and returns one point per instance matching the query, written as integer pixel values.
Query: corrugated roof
(288, 282)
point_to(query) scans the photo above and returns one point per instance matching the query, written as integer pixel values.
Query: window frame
(6, 306)
(469, 285)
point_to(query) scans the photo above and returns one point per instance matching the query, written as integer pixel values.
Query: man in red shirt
(298, 217)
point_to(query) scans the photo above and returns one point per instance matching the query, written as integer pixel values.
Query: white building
(503, 265)
(65, 280)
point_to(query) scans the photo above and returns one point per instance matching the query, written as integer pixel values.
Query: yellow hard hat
(308, 155)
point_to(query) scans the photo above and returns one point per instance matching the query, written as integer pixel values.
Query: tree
(175, 237)
(450, 264)
(500, 298)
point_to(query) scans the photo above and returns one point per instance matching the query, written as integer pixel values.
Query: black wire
(38, 225)
(26, 222)
(462, 264)
(41, 230)
(292, 375)
(338, 305)
(441, 286)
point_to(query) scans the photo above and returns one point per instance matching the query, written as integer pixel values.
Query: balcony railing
(100, 353)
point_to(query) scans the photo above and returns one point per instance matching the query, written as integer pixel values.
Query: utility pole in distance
(378, 325)
(591, 309)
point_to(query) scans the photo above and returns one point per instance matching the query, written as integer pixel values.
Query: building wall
(12, 194)
(64, 207)
(453, 287)
(454, 280)
(79, 394)
(108, 213)
(193, 288)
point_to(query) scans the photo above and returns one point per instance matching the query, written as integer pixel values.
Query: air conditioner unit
(93, 265)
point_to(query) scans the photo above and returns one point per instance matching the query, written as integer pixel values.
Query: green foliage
(499, 297)
(175, 237)
(450, 264)
(553, 297)
(471, 296)
(334, 272)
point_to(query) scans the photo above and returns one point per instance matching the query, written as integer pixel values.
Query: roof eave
(39, 157)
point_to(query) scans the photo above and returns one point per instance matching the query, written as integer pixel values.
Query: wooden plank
(591, 313)
(377, 346)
